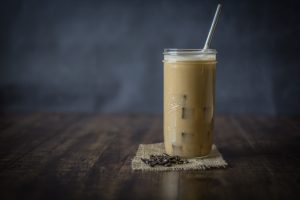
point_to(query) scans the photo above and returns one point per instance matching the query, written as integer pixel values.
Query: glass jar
(189, 96)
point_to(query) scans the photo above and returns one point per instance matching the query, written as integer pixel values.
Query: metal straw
(212, 28)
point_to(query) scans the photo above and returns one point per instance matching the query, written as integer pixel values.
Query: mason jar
(189, 101)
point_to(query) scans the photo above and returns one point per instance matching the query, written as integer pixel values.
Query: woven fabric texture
(213, 160)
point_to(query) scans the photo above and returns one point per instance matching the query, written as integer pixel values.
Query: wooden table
(87, 156)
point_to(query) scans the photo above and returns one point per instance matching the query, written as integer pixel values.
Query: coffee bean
(168, 165)
(144, 160)
(163, 160)
(152, 165)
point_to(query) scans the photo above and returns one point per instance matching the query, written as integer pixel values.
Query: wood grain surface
(87, 156)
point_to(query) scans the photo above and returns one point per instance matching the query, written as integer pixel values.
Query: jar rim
(173, 51)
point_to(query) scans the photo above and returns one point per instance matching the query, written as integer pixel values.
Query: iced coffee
(189, 88)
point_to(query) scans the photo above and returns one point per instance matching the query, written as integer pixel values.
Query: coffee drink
(189, 88)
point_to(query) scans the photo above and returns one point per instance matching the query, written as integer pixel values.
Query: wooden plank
(132, 181)
(26, 138)
(77, 156)
(10, 123)
(112, 171)
(72, 158)
(275, 142)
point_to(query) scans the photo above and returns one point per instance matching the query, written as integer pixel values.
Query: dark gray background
(105, 56)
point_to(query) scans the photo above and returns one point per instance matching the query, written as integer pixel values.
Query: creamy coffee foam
(174, 58)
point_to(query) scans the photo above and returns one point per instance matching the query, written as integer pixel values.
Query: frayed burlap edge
(213, 160)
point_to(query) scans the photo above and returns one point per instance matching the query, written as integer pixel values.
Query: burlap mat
(213, 160)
